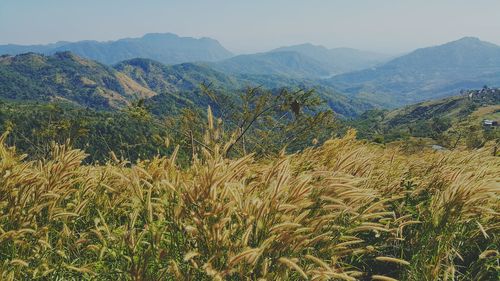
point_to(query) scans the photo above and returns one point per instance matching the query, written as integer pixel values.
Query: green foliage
(165, 89)
(345, 210)
(449, 122)
(266, 121)
(259, 120)
(129, 134)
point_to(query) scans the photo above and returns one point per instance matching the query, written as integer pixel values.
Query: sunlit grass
(346, 210)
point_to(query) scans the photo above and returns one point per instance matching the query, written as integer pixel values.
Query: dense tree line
(257, 120)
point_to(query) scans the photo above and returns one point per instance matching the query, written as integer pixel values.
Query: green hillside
(448, 122)
(34, 126)
(166, 89)
(131, 108)
(66, 77)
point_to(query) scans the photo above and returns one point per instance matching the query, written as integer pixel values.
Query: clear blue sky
(256, 25)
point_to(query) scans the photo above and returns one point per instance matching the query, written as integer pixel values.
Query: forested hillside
(69, 78)
(264, 121)
(448, 122)
(66, 77)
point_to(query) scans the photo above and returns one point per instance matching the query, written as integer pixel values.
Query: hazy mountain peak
(468, 51)
(306, 46)
(469, 39)
(159, 35)
(469, 42)
(166, 48)
(429, 72)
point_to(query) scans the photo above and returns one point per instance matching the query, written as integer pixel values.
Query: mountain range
(70, 78)
(305, 60)
(286, 63)
(297, 61)
(110, 74)
(426, 73)
(166, 48)
(338, 60)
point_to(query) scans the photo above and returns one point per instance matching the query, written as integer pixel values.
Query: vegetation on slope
(33, 127)
(265, 122)
(345, 210)
(449, 122)
(66, 77)
(166, 89)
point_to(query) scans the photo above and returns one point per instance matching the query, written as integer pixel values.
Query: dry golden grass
(346, 210)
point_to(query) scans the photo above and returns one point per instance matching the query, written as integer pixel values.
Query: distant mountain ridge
(285, 63)
(338, 60)
(301, 61)
(426, 73)
(166, 48)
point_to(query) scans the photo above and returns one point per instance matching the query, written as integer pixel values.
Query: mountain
(67, 77)
(426, 73)
(300, 61)
(164, 88)
(337, 60)
(182, 83)
(12, 49)
(178, 85)
(166, 48)
(174, 78)
(287, 64)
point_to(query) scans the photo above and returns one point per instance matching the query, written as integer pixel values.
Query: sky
(245, 26)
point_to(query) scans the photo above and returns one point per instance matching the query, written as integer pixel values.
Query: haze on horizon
(389, 26)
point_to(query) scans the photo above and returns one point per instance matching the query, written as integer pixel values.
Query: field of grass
(345, 210)
(490, 112)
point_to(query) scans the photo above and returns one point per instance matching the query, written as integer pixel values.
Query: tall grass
(346, 210)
